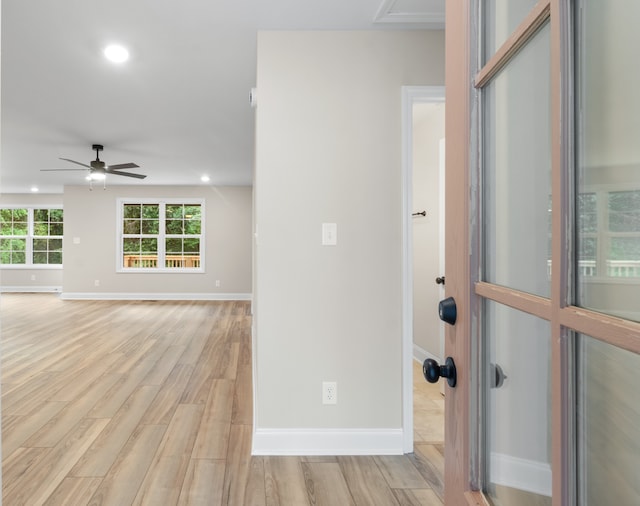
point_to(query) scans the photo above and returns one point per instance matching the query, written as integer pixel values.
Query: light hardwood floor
(120, 402)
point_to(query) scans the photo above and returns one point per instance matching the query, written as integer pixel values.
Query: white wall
(428, 130)
(91, 217)
(329, 150)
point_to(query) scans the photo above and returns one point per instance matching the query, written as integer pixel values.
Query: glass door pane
(608, 157)
(608, 416)
(608, 248)
(500, 20)
(516, 146)
(517, 393)
(517, 168)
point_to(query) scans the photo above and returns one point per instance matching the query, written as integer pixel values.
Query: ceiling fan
(98, 169)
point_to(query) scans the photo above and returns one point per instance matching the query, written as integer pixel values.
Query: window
(588, 236)
(31, 237)
(623, 253)
(609, 233)
(161, 235)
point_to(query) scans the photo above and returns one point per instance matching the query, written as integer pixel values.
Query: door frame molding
(410, 95)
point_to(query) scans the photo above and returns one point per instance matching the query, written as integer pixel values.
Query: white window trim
(161, 244)
(30, 237)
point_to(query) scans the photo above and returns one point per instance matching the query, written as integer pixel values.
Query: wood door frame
(460, 485)
(410, 95)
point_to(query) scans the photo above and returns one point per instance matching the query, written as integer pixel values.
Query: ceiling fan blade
(77, 163)
(120, 166)
(57, 170)
(128, 174)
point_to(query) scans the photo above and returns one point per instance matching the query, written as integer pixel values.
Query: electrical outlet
(217, 283)
(329, 392)
(96, 282)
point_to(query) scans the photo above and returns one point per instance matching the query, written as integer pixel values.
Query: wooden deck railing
(170, 261)
(614, 268)
(623, 268)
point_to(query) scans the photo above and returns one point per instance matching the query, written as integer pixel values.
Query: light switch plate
(329, 234)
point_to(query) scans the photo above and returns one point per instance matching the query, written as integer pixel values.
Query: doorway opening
(423, 258)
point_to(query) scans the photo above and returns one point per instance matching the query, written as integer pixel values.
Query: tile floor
(428, 409)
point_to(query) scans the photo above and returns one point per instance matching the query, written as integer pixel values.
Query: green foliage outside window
(587, 213)
(624, 221)
(187, 245)
(608, 225)
(183, 219)
(45, 239)
(588, 227)
(14, 222)
(142, 246)
(47, 236)
(177, 225)
(624, 211)
(625, 248)
(13, 251)
(141, 218)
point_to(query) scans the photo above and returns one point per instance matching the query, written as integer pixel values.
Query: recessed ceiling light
(205, 179)
(116, 54)
(34, 189)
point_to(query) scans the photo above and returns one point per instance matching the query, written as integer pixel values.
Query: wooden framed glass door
(543, 252)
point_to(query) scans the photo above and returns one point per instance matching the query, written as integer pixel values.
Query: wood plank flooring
(149, 403)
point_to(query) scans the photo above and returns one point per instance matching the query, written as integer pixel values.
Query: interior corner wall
(328, 150)
(90, 219)
(38, 279)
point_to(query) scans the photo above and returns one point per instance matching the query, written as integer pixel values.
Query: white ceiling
(179, 107)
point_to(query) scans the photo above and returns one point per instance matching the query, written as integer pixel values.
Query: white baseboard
(420, 354)
(522, 474)
(31, 289)
(153, 296)
(327, 442)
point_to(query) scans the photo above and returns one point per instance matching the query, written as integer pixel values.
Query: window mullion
(605, 236)
(162, 236)
(30, 237)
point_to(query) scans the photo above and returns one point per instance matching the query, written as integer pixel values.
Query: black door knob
(432, 371)
(440, 280)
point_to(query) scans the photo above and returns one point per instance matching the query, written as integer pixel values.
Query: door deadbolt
(447, 310)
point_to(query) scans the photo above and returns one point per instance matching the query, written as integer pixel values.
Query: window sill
(133, 270)
(610, 280)
(31, 267)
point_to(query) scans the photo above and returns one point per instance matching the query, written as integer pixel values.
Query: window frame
(30, 237)
(161, 236)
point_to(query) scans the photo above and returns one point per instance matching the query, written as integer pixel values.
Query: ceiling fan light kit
(98, 170)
